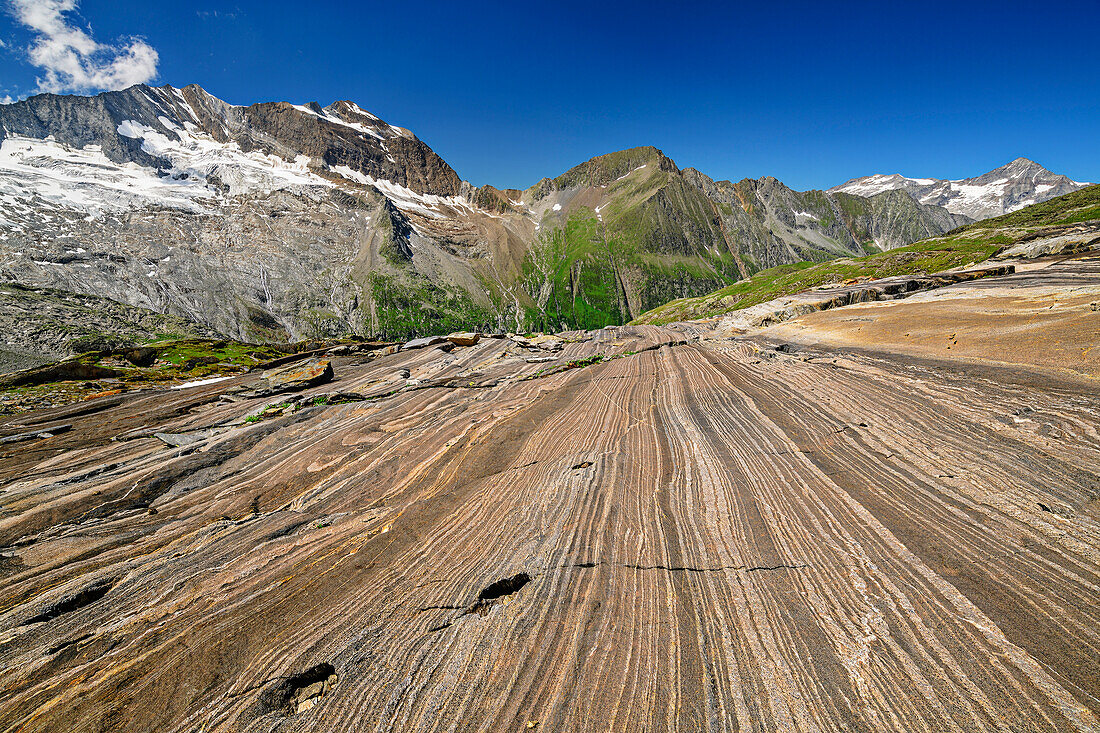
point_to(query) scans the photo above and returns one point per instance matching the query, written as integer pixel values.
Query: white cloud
(72, 60)
(7, 99)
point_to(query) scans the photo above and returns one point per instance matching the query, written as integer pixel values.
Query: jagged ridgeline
(279, 222)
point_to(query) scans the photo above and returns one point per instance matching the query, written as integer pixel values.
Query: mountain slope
(777, 225)
(41, 325)
(1013, 186)
(1069, 221)
(278, 221)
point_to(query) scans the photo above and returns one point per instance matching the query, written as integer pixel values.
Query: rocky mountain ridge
(1002, 190)
(279, 221)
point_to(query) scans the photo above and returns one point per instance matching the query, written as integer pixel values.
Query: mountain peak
(1021, 166)
(606, 168)
(1016, 184)
(191, 134)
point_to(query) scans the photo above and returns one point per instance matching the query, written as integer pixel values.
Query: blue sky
(811, 93)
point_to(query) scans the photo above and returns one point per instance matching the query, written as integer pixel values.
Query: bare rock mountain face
(1013, 186)
(277, 222)
(40, 325)
(785, 226)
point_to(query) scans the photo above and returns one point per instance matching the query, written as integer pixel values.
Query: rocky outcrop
(863, 291)
(672, 531)
(293, 378)
(1066, 239)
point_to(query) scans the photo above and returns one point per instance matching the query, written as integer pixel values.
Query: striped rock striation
(661, 530)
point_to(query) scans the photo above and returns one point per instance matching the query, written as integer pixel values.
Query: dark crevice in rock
(65, 644)
(83, 597)
(504, 587)
(287, 530)
(782, 566)
(495, 591)
(299, 692)
(489, 596)
(1056, 509)
(690, 569)
(582, 464)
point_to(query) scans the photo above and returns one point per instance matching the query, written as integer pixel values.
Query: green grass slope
(656, 237)
(969, 244)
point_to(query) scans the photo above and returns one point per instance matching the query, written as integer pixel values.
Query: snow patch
(195, 154)
(409, 201)
(643, 165)
(200, 382)
(36, 172)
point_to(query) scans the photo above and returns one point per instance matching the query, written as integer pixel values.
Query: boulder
(141, 356)
(547, 343)
(521, 340)
(294, 377)
(420, 343)
(385, 351)
(464, 338)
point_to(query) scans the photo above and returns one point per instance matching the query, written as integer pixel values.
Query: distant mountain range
(278, 221)
(1013, 186)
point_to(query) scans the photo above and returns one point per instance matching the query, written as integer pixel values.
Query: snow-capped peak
(185, 149)
(1014, 185)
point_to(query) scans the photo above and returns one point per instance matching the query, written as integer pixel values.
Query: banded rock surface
(663, 530)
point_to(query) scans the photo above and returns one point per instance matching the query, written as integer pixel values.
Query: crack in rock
(85, 596)
(489, 596)
(690, 569)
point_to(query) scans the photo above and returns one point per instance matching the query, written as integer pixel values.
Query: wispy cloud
(218, 14)
(73, 61)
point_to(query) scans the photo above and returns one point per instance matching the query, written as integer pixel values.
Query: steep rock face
(280, 221)
(41, 325)
(774, 225)
(1013, 186)
(127, 127)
